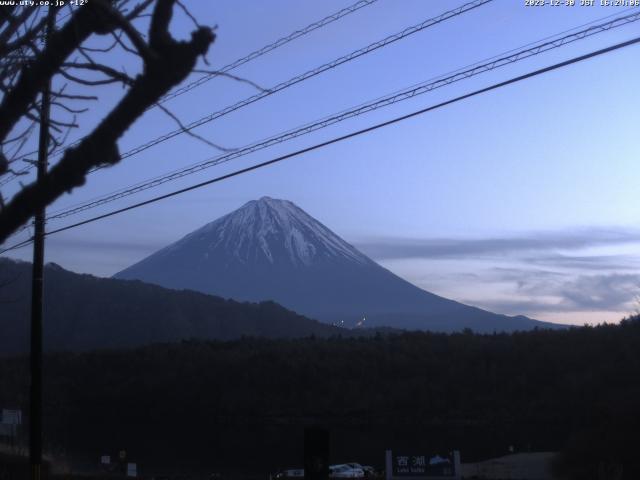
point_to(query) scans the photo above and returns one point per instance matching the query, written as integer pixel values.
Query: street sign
(422, 465)
(105, 459)
(132, 470)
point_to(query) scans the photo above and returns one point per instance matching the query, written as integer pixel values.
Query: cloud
(601, 292)
(452, 248)
(551, 274)
(528, 307)
(99, 245)
(586, 262)
(551, 292)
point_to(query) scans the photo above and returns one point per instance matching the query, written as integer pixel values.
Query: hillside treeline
(221, 404)
(83, 312)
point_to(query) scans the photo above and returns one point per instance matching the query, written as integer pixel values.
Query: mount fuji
(271, 249)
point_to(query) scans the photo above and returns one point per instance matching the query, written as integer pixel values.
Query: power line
(317, 146)
(268, 48)
(286, 84)
(297, 79)
(227, 68)
(309, 74)
(24, 243)
(396, 97)
(212, 161)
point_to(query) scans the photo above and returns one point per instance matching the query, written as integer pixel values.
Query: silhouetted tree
(574, 391)
(27, 63)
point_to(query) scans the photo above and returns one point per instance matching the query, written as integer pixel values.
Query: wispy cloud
(99, 245)
(578, 272)
(595, 293)
(451, 248)
(564, 293)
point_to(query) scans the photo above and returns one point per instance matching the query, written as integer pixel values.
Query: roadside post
(316, 453)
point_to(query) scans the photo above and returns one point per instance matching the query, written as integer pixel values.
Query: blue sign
(423, 465)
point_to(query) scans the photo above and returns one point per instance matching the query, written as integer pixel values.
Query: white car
(291, 473)
(346, 470)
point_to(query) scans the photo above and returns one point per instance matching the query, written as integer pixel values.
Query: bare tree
(70, 57)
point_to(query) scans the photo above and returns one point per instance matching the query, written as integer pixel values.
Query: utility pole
(35, 406)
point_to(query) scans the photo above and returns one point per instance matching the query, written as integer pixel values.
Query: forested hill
(218, 403)
(83, 312)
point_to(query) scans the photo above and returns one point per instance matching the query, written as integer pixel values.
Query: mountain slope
(83, 312)
(272, 250)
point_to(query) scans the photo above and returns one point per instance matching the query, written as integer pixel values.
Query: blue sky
(523, 200)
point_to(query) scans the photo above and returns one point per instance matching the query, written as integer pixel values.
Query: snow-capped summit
(270, 230)
(270, 249)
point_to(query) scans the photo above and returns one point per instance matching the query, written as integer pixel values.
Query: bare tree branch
(188, 14)
(14, 24)
(232, 77)
(68, 108)
(28, 37)
(73, 97)
(91, 83)
(138, 9)
(191, 133)
(166, 63)
(108, 71)
(62, 43)
(134, 36)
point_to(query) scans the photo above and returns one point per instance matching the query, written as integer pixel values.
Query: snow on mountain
(260, 227)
